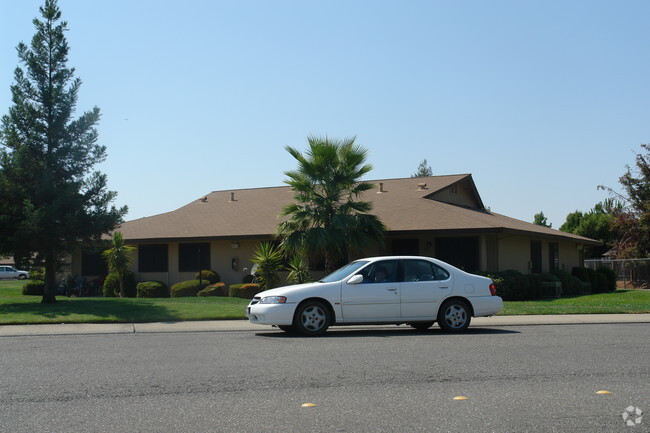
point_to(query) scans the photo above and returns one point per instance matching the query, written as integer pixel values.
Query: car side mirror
(356, 279)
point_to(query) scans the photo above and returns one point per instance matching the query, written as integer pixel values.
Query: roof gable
(463, 192)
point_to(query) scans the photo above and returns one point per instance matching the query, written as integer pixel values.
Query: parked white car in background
(9, 273)
(380, 290)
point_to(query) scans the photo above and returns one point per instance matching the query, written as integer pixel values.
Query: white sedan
(380, 290)
(8, 272)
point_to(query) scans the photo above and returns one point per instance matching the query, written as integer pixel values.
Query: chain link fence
(630, 273)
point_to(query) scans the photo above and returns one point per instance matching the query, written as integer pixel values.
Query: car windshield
(343, 272)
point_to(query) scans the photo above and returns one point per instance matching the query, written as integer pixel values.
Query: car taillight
(493, 289)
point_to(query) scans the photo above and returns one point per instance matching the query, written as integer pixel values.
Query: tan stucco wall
(514, 253)
(221, 255)
(497, 252)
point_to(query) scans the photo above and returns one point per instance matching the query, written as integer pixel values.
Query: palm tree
(269, 262)
(327, 218)
(118, 258)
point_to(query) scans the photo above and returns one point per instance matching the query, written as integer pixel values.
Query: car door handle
(443, 287)
(392, 290)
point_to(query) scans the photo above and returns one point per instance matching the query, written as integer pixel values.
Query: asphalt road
(515, 378)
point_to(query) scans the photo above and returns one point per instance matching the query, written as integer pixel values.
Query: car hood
(293, 290)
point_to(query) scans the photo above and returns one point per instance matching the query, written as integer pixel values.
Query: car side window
(417, 270)
(439, 273)
(422, 270)
(380, 272)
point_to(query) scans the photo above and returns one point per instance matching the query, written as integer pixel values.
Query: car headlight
(273, 300)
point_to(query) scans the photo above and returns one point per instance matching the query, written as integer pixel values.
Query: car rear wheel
(421, 326)
(454, 316)
(312, 318)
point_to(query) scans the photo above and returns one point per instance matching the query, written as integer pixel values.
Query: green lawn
(18, 309)
(620, 301)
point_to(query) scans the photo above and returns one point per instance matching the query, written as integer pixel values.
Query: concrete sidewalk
(243, 325)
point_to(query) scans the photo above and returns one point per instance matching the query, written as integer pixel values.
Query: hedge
(34, 288)
(212, 277)
(245, 291)
(570, 284)
(152, 289)
(217, 289)
(611, 277)
(186, 288)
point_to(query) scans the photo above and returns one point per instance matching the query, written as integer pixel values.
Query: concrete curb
(242, 325)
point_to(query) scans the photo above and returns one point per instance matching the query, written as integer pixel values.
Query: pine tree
(51, 200)
(424, 170)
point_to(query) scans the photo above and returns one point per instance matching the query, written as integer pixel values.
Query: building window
(193, 257)
(152, 258)
(553, 256)
(536, 257)
(462, 252)
(93, 264)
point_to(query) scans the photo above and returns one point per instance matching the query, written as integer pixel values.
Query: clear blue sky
(541, 101)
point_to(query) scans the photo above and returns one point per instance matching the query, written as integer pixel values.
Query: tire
(312, 318)
(22, 277)
(421, 326)
(454, 316)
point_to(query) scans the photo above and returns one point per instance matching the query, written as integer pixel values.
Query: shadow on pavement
(341, 332)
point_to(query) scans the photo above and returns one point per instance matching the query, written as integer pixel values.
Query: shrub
(152, 289)
(248, 279)
(268, 259)
(34, 288)
(593, 279)
(601, 283)
(218, 289)
(512, 285)
(186, 288)
(111, 286)
(611, 277)
(245, 291)
(37, 274)
(211, 276)
(571, 285)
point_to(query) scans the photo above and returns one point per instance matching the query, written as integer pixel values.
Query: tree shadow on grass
(84, 310)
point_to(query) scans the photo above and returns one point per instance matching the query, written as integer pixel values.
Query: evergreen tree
(424, 170)
(51, 200)
(541, 220)
(327, 218)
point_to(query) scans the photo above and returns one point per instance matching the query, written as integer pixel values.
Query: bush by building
(217, 289)
(186, 288)
(152, 289)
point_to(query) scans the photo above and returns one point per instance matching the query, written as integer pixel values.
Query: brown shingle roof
(402, 207)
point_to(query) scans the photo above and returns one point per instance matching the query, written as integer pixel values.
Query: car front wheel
(312, 318)
(454, 316)
(22, 277)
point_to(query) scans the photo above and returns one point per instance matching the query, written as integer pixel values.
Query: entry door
(377, 298)
(425, 285)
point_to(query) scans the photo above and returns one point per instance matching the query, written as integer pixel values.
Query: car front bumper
(271, 314)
